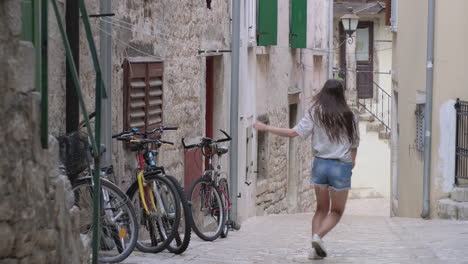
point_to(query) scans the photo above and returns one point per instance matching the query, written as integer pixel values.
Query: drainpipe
(428, 110)
(234, 120)
(106, 64)
(72, 107)
(330, 39)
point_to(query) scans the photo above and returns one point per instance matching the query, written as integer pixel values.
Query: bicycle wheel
(224, 190)
(182, 238)
(118, 223)
(207, 210)
(158, 228)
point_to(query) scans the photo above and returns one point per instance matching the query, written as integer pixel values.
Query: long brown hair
(330, 110)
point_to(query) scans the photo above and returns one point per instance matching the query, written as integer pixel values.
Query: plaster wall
(449, 65)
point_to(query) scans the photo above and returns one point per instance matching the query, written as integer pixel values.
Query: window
(143, 93)
(461, 157)
(298, 24)
(419, 141)
(267, 22)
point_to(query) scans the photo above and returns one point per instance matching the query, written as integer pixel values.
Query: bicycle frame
(144, 190)
(214, 173)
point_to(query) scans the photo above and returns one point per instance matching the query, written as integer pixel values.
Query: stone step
(363, 193)
(366, 117)
(375, 126)
(385, 134)
(459, 194)
(450, 209)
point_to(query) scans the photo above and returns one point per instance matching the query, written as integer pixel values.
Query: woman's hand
(260, 126)
(283, 132)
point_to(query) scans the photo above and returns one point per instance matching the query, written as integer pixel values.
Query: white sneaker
(317, 244)
(313, 254)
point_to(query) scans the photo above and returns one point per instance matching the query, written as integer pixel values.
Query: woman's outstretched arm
(283, 132)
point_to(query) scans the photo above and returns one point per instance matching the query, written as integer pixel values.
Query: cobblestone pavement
(365, 235)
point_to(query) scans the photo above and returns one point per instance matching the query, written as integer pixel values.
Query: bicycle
(209, 194)
(118, 224)
(169, 226)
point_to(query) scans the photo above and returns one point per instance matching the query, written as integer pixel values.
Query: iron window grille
(461, 157)
(419, 141)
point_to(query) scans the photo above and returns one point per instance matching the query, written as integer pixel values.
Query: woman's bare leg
(338, 203)
(323, 207)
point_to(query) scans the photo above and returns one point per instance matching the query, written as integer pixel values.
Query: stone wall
(283, 179)
(38, 223)
(173, 31)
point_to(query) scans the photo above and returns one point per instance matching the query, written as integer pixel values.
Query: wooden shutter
(27, 20)
(298, 25)
(143, 93)
(267, 22)
(388, 12)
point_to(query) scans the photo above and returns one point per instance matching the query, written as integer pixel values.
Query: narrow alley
(134, 131)
(365, 235)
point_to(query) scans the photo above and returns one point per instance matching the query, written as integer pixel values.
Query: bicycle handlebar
(207, 141)
(134, 131)
(145, 141)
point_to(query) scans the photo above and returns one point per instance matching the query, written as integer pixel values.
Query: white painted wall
(447, 146)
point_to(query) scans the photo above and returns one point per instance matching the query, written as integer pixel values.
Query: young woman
(335, 138)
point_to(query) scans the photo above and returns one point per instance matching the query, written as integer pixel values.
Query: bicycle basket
(75, 152)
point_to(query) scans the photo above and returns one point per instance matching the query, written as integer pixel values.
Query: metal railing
(461, 158)
(100, 93)
(379, 106)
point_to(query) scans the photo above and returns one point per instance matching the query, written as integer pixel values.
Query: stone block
(13, 20)
(7, 243)
(366, 117)
(262, 187)
(463, 211)
(385, 135)
(375, 126)
(459, 194)
(25, 68)
(447, 209)
(10, 261)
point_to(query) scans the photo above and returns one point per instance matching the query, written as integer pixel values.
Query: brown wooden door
(193, 158)
(364, 58)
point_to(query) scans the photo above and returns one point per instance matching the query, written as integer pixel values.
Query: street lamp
(350, 22)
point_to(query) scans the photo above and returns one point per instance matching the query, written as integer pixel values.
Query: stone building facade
(173, 31)
(38, 222)
(276, 81)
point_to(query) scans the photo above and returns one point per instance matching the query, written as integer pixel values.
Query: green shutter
(298, 31)
(27, 20)
(267, 22)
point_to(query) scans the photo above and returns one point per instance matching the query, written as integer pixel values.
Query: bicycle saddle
(222, 150)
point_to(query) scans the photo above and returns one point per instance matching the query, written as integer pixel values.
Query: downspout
(428, 110)
(234, 116)
(330, 39)
(105, 43)
(72, 106)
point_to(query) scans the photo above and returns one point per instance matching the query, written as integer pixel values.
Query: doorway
(293, 166)
(365, 59)
(193, 165)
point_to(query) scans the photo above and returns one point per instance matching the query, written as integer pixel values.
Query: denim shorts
(333, 173)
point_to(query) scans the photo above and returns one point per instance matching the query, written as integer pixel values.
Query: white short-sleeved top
(322, 147)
